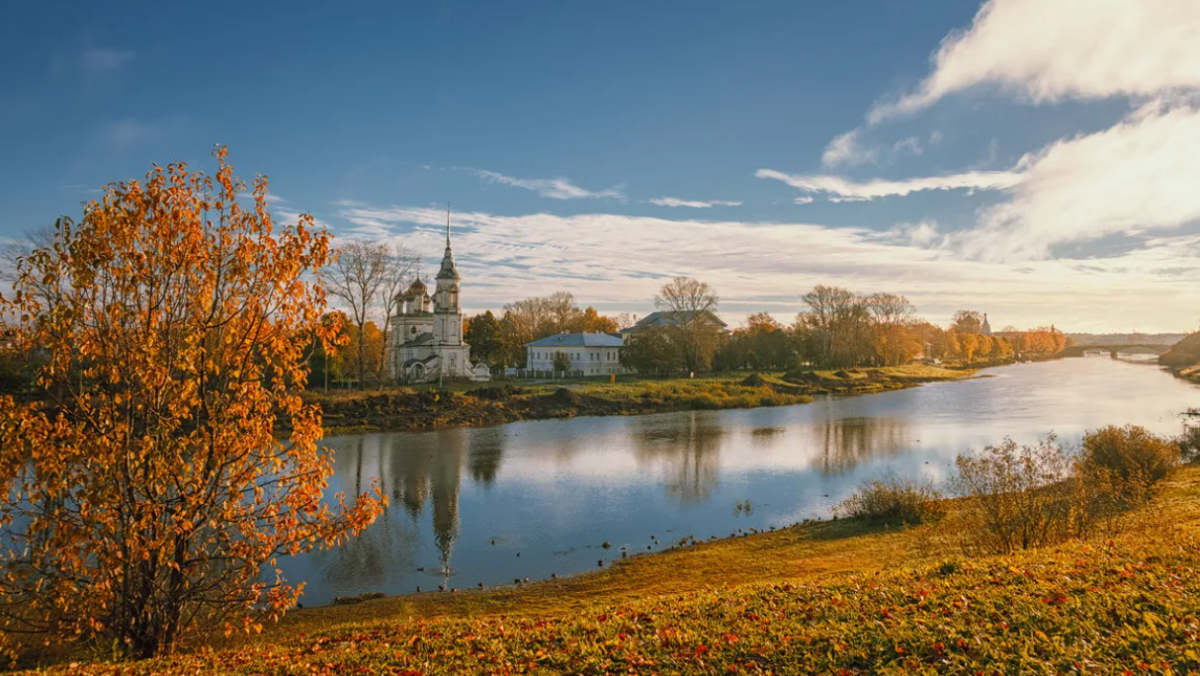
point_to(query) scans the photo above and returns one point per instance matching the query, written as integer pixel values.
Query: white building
(427, 344)
(589, 354)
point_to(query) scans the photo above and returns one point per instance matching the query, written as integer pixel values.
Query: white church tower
(428, 345)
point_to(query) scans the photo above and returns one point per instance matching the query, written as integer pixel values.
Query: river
(532, 499)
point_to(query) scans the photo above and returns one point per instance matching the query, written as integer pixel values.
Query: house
(427, 342)
(590, 354)
(660, 319)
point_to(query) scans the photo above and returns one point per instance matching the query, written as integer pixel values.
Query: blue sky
(1017, 157)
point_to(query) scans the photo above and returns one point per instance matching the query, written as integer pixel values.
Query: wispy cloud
(849, 150)
(1065, 50)
(1137, 176)
(802, 200)
(839, 189)
(553, 188)
(619, 262)
(694, 204)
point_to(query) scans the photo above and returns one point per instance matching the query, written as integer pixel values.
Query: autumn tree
(690, 305)
(370, 337)
(356, 276)
(146, 494)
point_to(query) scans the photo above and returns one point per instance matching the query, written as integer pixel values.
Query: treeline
(500, 341)
(837, 328)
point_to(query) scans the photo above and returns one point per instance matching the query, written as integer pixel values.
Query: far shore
(481, 404)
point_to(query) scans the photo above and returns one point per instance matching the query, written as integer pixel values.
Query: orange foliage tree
(146, 494)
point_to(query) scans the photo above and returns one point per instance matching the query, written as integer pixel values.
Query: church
(426, 343)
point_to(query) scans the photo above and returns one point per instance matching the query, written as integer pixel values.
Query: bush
(1136, 459)
(892, 498)
(1189, 444)
(1017, 497)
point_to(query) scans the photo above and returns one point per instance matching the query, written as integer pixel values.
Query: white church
(427, 344)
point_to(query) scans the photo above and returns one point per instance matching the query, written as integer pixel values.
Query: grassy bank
(829, 597)
(493, 403)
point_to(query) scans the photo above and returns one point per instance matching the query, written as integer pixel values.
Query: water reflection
(532, 499)
(685, 449)
(844, 443)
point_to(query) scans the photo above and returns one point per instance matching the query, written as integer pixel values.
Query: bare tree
(691, 304)
(356, 277)
(399, 262)
(890, 309)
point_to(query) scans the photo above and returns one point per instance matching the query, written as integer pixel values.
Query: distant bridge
(1115, 350)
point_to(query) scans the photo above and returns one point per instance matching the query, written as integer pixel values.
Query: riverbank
(463, 405)
(817, 597)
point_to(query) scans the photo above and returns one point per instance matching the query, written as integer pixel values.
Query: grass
(843, 597)
(463, 404)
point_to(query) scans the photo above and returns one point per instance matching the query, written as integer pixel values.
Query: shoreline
(408, 409)
(800, 578)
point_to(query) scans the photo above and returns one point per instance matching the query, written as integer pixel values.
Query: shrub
(1016, 496)
(1189, 444)
(1136, 459)
(892, 498)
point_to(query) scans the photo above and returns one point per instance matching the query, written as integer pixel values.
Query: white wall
(592, 361)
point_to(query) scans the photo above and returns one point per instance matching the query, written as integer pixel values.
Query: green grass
(403, 408)
(831, 597)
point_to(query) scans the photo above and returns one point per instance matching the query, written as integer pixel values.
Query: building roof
(423, 338)
(579, 340)
(669, 318)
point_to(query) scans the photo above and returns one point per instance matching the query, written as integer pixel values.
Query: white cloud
(618, 262)
(694, 204)
(1139, 175)
(846, 150)
(1048, 50)
(844, 190)
(554, 188)
(802, 200)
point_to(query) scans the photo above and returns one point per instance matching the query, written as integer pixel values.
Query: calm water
(535, 498)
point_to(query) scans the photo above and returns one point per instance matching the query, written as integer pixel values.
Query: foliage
(893, 498)
(1017, 497)
(763, 344)
(530, 319)
(1027, 496)
(483, 334)
(368, 345)
(145, 494)
(1130, 605)
(561, 362)
(650, 352)
(1138, 459)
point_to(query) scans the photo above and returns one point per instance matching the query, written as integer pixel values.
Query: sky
(1037, 160)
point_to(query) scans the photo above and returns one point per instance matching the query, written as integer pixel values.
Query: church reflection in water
(415, 471)
(422, 475)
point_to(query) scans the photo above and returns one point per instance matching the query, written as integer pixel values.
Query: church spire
(447, 226)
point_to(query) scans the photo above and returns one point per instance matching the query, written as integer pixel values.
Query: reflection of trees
(687, 446)
(843, 443)
(485, 452)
